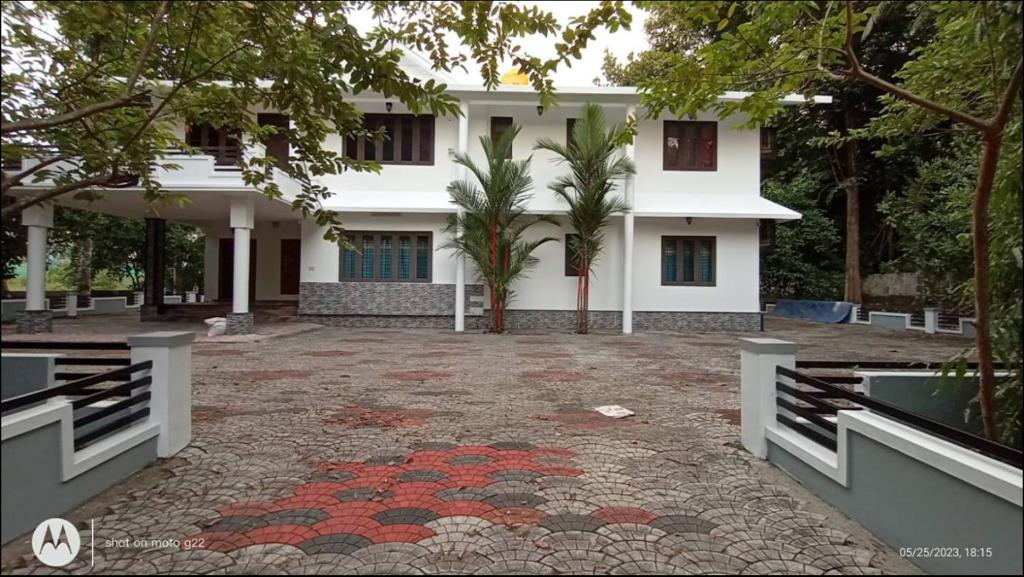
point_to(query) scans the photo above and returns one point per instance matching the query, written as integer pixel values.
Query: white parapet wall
(918, 492)
(45, 475)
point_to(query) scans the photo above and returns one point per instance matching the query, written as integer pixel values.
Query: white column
(627, 234)
(72, 304)
(242, 221)
(758, 359)
(460, 260)
(170, 403)
(38, 219)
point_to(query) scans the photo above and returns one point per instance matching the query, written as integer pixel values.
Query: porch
(249, 237)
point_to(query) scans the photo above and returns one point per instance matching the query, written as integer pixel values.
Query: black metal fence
(95, 416)
(810, 404)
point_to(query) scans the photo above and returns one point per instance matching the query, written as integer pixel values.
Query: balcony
(217, 168)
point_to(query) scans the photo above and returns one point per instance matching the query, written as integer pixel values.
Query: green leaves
(220, 62)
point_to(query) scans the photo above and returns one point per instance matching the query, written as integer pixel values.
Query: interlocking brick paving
(355, 471)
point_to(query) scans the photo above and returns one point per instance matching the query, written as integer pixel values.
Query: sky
(584, 71)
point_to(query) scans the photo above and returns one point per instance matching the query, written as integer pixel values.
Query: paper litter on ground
(614, 411)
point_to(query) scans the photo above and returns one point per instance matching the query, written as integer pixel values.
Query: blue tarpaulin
(821, 311)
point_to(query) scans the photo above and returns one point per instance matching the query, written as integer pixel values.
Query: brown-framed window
(572, 262)
(388, 256)
(688, 261)
(570, 125)
(221, 143)
(688, 145)
(769, 149)
(499, 125)
(409, 139)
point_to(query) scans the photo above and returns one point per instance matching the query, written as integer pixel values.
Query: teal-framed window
(388, 256)
(688, 261)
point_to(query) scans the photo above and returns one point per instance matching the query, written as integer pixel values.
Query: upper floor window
(688, 260)
(387, 257)
(221, 143)
(689, 145)
(570, 126)
(409, 139)
(572, 261)
(768, 145)
(500, 124)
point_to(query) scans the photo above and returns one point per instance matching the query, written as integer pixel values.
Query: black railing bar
(810, 416)
(919, 365)
(816, 436)
(107, 393)
(73, 376)
(806, 396)
(963, 438)
(72, 387)
(76, 345)
(839, 379)
(118, 406)
(113, 426)
(92, 361)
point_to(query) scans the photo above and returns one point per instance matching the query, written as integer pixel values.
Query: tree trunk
(853, 292)
(83, 265)
(982, 290)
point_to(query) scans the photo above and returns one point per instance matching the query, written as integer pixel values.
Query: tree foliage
(967, 72)
(595, 168)
(490, 227)
(96, 88)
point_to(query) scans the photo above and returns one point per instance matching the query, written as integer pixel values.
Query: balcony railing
(215, 168)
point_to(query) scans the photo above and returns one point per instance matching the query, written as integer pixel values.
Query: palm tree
(493, 220)
(594, 163)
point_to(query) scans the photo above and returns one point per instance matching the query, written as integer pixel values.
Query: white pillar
(240, 295)
(931, 320)
(38, 219)
(627, 234)
(242, 221)
(170, 403)
(460, 260)
(758, 359)
(71, 306)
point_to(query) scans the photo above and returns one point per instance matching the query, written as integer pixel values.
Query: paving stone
(358, 472)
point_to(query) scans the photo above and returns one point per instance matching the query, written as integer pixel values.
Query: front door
(291, 249)
(226, 274)
(277, 144)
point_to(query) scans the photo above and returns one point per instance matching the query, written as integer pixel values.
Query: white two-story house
(685, 257)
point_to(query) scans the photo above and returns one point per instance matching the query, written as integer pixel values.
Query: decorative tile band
(31, 322)
(239, 323)
(381, 299)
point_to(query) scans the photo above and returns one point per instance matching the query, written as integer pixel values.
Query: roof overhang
(712, 205)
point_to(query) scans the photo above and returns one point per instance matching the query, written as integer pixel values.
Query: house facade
(685, 257)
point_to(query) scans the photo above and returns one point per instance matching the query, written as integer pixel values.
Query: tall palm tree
(493, 220)
(595, 163)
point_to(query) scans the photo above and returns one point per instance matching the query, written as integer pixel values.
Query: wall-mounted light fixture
(388, 105)
(540, 109)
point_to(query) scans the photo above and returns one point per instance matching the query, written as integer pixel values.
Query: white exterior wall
(546, 287)
(737, 251)
(321, 259)
(405, 186)
(739, 162)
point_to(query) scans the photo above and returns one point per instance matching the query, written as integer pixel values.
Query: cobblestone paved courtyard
(396, 452)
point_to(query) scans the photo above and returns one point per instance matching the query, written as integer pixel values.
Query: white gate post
(171, 402)
(758, 359)
(931, 320)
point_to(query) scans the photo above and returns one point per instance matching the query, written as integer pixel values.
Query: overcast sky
(583, 71)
